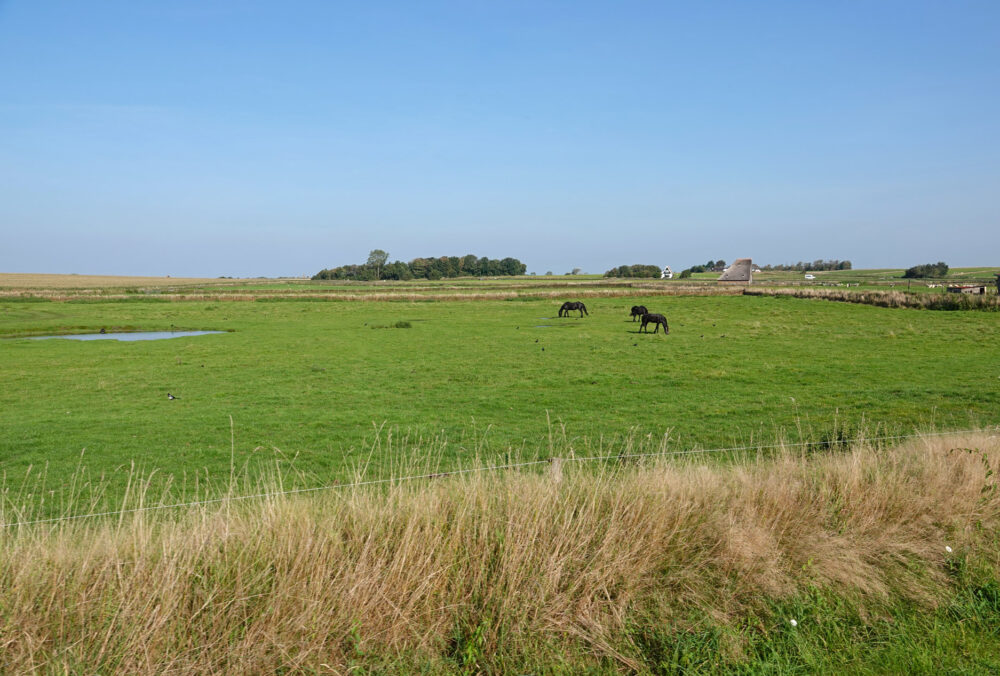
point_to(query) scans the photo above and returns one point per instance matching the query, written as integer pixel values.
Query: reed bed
(891, 299)
(496, 572)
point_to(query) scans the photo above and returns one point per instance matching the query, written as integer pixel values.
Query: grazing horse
(638, 311)
(650, 318)
(570, 305)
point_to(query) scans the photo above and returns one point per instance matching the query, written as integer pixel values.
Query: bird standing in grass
(171, 397)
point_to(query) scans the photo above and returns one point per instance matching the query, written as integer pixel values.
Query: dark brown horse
(650, 318)
(571, 305)
(638, 311)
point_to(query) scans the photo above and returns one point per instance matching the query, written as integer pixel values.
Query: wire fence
(470, 470)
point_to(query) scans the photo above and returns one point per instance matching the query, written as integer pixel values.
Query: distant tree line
(710, 266)
(378, 267)
(802, 266)
(637, 270)
(939, 269)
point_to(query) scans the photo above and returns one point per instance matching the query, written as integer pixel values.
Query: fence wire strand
(470, 470)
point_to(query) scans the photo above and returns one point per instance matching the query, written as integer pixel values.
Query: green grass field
(313, 380)
(316, 388)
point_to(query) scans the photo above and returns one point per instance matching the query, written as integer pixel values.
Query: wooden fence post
(555, 469)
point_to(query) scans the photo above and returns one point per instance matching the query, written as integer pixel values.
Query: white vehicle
(810, 276)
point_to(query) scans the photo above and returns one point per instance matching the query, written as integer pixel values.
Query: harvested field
(14, 280)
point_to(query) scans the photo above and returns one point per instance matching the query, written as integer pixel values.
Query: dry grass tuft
(483, 572)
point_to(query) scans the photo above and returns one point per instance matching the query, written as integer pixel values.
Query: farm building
(740, 272)
(979, 289)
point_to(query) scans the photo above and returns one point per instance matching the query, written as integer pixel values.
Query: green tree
(376, 260)
(939, 269)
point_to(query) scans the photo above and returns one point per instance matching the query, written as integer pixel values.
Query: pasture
(690, 564)
(318, 384)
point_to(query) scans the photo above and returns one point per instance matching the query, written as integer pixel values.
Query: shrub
(939, 269)
(637, 270)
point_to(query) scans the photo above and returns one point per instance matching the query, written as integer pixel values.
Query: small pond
(135, 335)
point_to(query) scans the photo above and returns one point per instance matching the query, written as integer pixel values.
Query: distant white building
(667, 273)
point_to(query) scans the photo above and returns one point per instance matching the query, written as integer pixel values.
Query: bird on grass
(171, 397)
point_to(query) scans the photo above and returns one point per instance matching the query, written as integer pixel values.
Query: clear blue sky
(207, 138)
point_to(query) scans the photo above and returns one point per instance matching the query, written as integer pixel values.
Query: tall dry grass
(493, 572)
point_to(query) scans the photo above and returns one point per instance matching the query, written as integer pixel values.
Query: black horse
(638, 311)
(650, 318)
(570, 305)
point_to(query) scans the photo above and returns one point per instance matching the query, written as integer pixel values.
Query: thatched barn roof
(739, 271)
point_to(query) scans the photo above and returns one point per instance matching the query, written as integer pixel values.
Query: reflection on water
(136, 335)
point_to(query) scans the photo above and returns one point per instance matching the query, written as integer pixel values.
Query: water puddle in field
(135, 335)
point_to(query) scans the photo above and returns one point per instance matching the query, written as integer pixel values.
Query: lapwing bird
(171, 397)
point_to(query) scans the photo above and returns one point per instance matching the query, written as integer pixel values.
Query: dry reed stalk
(512, 564)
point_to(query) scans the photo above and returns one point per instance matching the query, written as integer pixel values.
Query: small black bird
(102, 330)
(171, 397)
(536, 340)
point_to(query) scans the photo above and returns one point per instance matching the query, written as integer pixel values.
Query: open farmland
(883, 553)
(309, 381)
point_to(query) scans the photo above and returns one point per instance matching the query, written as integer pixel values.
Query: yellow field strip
(20, 280)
